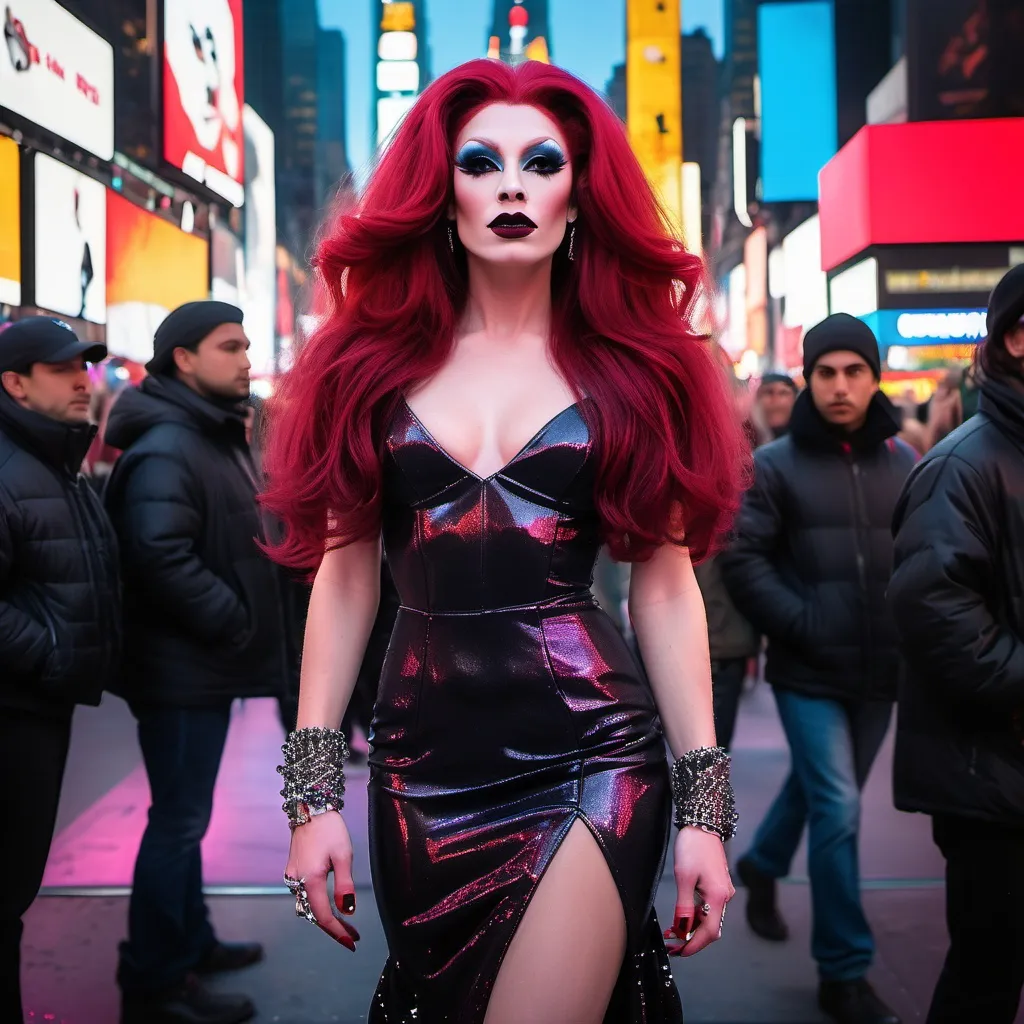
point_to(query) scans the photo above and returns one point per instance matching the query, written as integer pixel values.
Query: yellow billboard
(10, 223)
(654, 98)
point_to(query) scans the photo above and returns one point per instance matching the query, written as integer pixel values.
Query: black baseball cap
(42, 339)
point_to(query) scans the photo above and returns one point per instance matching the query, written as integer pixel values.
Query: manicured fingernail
(348, 903)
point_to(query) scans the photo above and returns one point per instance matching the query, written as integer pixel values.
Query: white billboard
(260, 241)
(59, 74)
(70, 241)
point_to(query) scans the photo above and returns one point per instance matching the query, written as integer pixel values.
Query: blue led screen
(797, 65)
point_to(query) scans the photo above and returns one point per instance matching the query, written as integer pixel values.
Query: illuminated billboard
(58, 74)
(152, 268)
(70, 241)
(398, 75)
(654, 100)
(203, 93)
(799, 119)
(10, 223)
(260, 242)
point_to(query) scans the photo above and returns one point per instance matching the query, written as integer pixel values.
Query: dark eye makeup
(476, 158)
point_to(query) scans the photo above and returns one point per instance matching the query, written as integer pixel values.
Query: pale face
(59, 391)
(776, 404)
(842, 386)
(513, 186)
(220, 365)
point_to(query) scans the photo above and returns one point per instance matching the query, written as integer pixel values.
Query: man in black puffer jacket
(809, 567)
(59, 601)
(203, 625)
(957, 596)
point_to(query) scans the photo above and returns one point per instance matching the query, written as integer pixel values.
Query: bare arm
(342, 609)
(667, 611)
(668, 616)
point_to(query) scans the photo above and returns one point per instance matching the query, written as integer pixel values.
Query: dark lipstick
(512, 225)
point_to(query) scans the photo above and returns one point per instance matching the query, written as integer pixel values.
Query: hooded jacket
(59, 593)
(957, 597)
(812, 553)
(203, 614)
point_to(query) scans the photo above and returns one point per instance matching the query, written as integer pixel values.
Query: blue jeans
(169, 929)
(833, 745)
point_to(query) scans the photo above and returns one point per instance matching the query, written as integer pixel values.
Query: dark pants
(984, 970)
(727, 675)
(168, 924)
(833, 746)
(33, 752)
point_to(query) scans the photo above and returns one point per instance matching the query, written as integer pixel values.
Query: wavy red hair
(667, 439)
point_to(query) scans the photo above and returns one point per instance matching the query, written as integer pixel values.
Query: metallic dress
(509, 707)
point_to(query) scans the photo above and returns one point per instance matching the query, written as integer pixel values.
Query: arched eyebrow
(491, 144)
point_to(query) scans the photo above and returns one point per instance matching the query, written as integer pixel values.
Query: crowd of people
(868, 574)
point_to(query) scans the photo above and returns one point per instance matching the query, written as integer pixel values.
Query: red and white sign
(59, 74)
(203, 93)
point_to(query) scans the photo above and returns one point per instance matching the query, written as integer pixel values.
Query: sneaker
(854, 1002)
(189, 1003)
(229, 956)
(762, 903)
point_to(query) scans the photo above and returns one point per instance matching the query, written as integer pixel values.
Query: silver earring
(572, 241)
(451, 238)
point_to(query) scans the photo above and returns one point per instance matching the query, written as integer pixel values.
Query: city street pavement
(70, 941)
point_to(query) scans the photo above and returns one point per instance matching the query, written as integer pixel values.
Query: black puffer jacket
(203, 616)
(957, 596)
(60, 622)
(813, 553)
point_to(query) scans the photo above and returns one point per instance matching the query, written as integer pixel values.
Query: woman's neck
(506, 302)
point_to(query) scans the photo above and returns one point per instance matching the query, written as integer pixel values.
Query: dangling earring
(451, 238)
(572, 241)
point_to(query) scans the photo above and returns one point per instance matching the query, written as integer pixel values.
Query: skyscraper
(520, 30)
(741, 55)
(331, 157)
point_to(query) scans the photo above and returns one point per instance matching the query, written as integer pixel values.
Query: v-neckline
(498, 472)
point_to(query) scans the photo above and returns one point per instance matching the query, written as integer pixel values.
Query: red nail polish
(348, 903)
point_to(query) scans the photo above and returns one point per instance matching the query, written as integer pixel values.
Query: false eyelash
(477, 166)
(547, 170)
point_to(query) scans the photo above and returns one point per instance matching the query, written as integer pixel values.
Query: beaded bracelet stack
(314, 773)
(703, 793)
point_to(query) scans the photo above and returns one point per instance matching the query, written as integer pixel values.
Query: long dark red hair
(670, 453)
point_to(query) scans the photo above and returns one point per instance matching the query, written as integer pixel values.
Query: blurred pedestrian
(809, 567)
(203, 625)
(732, 640)
(957, 596)
(59, 601)
(776, 395)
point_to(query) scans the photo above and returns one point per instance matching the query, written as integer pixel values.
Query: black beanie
(186, 327)
(778, 378)
(841, 332)
(1006, 304)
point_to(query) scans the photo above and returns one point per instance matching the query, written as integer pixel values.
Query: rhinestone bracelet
(702, 792)
(314, 773)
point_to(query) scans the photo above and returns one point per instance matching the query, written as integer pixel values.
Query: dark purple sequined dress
(509, 707)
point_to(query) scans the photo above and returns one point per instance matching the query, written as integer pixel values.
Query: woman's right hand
(319, 846)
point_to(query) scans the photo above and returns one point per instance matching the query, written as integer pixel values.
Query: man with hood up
(203, 625)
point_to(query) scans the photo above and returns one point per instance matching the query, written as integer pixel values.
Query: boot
(229, 956)
(188, 1003)
(854, 1002)
(762, 903)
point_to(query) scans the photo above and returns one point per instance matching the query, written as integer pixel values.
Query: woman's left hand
(703, 888)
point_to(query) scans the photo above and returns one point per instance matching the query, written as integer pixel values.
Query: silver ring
(705, 909)
(297, 887)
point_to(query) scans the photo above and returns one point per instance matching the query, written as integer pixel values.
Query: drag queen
(506, 380)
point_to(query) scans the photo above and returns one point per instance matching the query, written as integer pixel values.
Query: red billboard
(203, 93)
